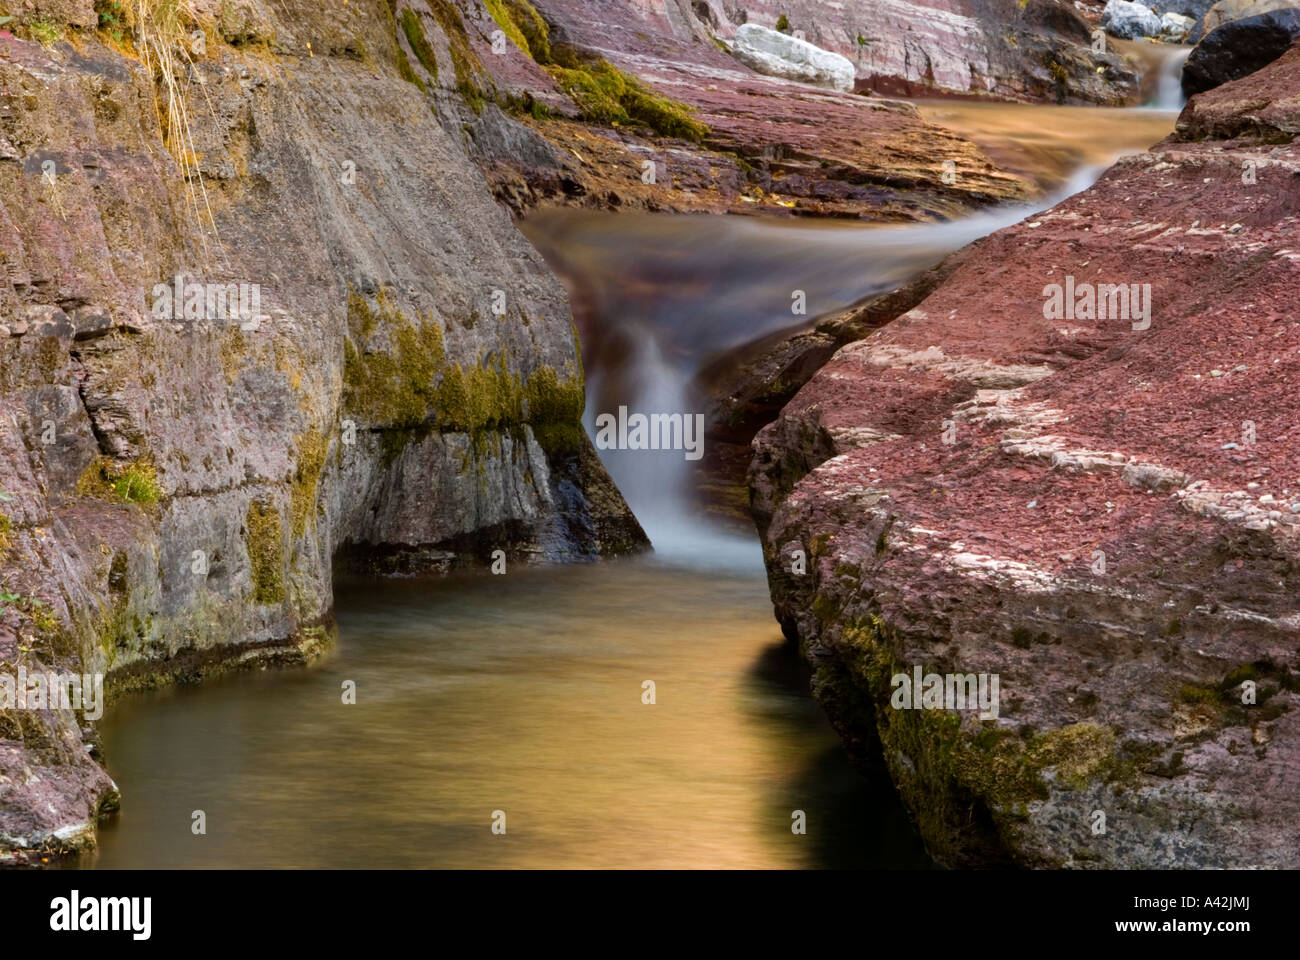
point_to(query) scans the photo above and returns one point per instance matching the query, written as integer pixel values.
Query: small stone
(4, 332)
(1228, 446)
(1216, 373)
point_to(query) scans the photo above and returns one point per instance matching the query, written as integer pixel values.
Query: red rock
(1120, 688)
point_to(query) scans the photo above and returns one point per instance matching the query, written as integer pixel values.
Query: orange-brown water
(520, 693)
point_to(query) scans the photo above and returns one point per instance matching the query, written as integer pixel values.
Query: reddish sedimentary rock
(774, 145)
(1037, 50)
(1107, 517)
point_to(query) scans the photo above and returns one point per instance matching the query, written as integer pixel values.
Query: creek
(523, 693)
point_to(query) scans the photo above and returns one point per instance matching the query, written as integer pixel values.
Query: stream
(523, 694)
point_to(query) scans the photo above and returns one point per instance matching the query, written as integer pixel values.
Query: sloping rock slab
(1106, 518)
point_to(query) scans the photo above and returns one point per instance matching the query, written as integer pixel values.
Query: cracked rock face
(1103, 514)
(175, 488)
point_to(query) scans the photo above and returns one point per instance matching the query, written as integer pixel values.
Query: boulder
(1196, 9)
(1175, 27)
(1129, 21)
(1100, 511)
(1240, 47)
(780, 55)
(1225, 11)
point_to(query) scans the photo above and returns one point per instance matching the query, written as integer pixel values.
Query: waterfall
(657, 296)
(1169, 83)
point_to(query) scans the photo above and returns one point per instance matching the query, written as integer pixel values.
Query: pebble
(1216, 373)
(4, 332)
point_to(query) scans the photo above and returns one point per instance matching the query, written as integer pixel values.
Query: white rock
(1129, 20)
(779, 55)
(1175, 26)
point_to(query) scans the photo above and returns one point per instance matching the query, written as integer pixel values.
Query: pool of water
(519, 693)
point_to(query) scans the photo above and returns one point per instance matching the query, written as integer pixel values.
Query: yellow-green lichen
(265, 543)
(310, 461)
(525, 27)
(954, 768)
(607, 95)
(465, 63)
(6, 527)
(406, 72)
(411, 389)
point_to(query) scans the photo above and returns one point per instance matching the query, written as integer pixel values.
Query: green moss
(963, 779)
(412, 390)
(1194, 694)
(1239, 675)
(524, 105)
(45, 32)
(405, 71)
(783, 23)
(414, 32)
(265, 544)
(607, 95)
(390, 388)
(555, 409)
(135, 482)
(525, 27)
(6, 527)
(469, 71)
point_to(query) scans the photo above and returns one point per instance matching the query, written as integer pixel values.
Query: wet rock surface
(174, 486)
(1105, 517)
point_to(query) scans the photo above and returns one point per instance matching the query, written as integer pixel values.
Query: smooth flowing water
(523, 693)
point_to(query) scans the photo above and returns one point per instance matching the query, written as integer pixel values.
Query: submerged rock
(780, 55)
(1067, 498)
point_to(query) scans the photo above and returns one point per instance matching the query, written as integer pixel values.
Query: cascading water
(657, 296)
(1169, 82)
